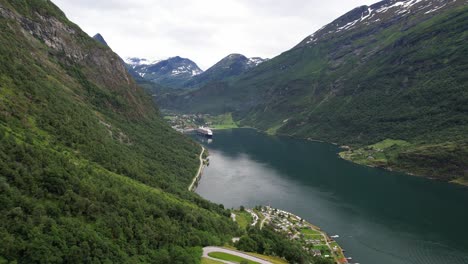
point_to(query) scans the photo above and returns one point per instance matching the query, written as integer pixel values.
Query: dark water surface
(382, 217)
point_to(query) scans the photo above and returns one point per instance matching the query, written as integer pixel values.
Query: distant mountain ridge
(172, 72)
(230, 66)
(177, 72)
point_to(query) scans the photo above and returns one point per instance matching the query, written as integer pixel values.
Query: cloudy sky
(204, 30)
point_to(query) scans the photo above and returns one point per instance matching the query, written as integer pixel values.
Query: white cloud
(204, 30)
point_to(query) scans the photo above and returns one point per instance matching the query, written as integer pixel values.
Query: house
(316, 253)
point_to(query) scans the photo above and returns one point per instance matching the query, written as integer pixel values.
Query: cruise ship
(204, 131)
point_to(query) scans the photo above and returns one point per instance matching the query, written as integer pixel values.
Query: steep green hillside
(395, 70)
(89, 172)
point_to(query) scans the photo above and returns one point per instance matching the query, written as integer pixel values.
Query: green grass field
(307, 231)
(378, 154)
(224, 121)
(272, 259)
(260, 216)
(339, 253)
(210, 261)
(229, 257)
(243, 219)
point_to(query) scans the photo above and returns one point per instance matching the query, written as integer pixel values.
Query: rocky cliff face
(99, 38)
(73, 48)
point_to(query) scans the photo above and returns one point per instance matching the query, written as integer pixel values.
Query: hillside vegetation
(89, 171)
(395, 70)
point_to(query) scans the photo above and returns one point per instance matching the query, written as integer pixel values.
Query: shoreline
(270, 213)
(345, 148)
(197, 177)
(328, 239)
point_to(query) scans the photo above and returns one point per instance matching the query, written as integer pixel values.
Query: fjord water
(381, 217)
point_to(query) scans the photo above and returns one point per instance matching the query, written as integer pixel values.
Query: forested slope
(89, 171)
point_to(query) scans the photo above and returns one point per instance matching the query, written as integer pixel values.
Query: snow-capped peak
(377, 14)
(134, 61)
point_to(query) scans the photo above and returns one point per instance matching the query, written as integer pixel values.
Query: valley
(99, 162)
(390, 72)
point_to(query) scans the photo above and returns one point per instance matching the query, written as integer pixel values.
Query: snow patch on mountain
(186, 69)
(375, 14)
(434, 9)
(255, 61)
(134, 61)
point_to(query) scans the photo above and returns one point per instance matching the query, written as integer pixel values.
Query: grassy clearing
(462, 181)
(272, 130)
(210, 261)
(229, 257)
(319, 237)
(243, 219)
(260, 216)
(307, 231)
(338, 253)
(379, 154)
(446, 160)
(223, 121)
(387, 143)
(272, 259)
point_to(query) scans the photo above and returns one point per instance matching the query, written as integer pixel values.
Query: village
(185, 122)
(188, 122)
(312, 238)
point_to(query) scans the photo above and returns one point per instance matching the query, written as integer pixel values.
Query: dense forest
(89, 171)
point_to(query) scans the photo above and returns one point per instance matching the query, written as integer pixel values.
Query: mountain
(100, 39)
(89, 170)
(230, 66)
(180, 73)
(173, 72)
(389, 80)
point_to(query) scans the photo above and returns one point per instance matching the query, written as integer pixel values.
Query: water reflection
(382, 217)
(203, 139)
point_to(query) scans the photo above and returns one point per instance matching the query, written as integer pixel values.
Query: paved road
(267, 218)
(254, 216)
(207, 250)
(190, 188)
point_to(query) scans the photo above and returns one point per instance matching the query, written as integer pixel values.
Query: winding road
(190, 188)
(207, 250)
(266, 218)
